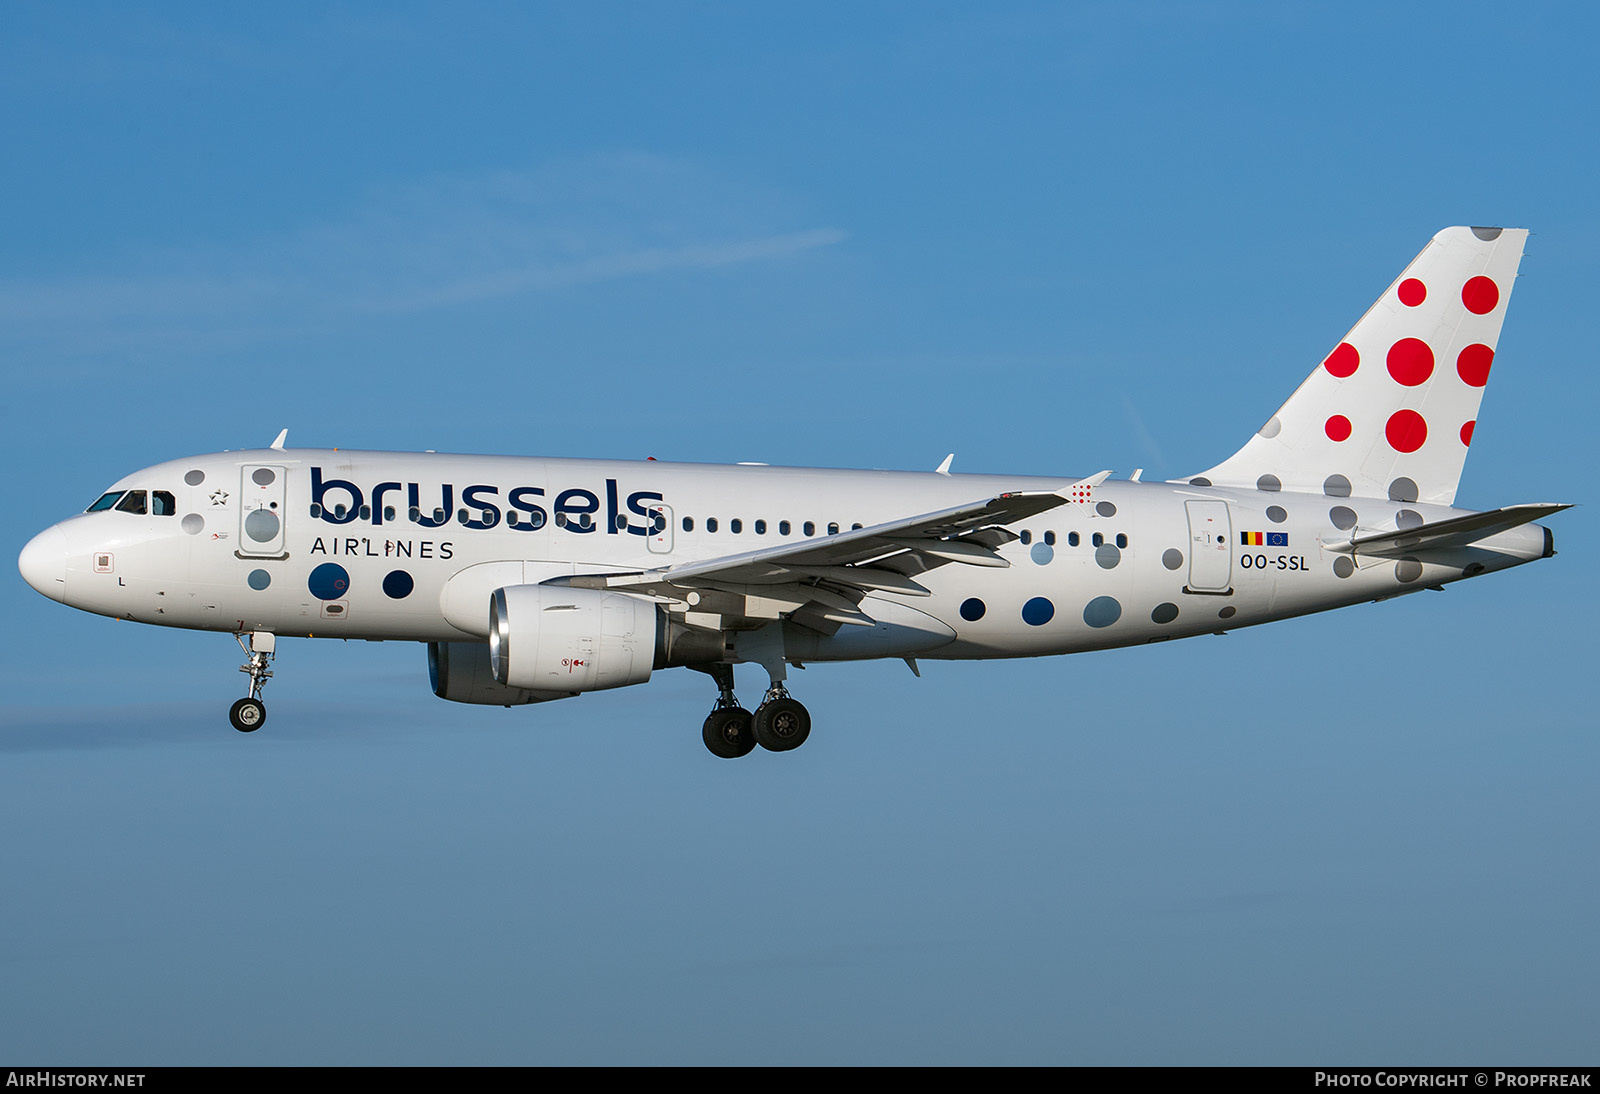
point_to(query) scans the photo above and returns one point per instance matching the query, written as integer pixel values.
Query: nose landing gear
(250, 713)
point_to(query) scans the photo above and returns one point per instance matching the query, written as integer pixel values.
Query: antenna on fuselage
(277, 445)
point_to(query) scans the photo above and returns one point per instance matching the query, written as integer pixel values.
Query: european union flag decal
(1277, 539)
(1264, 539)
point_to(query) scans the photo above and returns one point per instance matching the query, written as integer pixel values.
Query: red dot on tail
(1410, 361)
(1343, 360)
(1412, 292)
(1406, 431)
(1338, 428)
(1473, 364)
(1466, 432)
(1480, 295)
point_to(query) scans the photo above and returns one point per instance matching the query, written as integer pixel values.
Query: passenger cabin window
(1098, 540)
(809, 528)
(1027, 537)
(783, 527)
(1122, 540)
(106, 502)
(1072, 539)
(1050, 539)
(688, 524)
(133, 502)
(833, 527)
(761, 527)
(711, 524)
(736, 526)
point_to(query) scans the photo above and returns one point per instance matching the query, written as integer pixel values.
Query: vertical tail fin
(1390, 412)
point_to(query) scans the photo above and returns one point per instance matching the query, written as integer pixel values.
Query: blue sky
(1051, 238)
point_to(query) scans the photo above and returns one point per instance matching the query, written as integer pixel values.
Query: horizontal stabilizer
(1455, 532)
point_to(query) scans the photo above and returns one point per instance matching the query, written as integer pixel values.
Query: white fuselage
(369, 545)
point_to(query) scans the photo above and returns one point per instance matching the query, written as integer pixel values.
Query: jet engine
(460, 672)
(558, 638)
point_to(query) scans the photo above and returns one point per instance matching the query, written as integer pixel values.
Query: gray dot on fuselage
(1408, 518)
(1336, 486)
(1172, 558)
(1102, 611)
(1164, 613)
(1200, 480)
(1407, 569)
(261, 525)
(1269, 483)
(263, 476)
(1272, 428)
(1343, 567)
(1042, 553)
(1277, 514)
(1228, 613)
(193, 523)
(259, 579)
(1342, 516)
(1402, 489)
(1107, 556)
(1106, 509)
(1487, 234)
(195, 477)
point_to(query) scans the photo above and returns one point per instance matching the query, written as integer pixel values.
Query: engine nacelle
(557, 638)
(460, 672)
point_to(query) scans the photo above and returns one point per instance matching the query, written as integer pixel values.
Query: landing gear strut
(779, 724)
(728, 730)
(250, 713)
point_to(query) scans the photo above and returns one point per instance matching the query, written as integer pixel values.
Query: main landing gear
(779, 724)
(250, 713)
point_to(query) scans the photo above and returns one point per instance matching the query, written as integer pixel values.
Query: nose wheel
(247, 715)
(250, 713)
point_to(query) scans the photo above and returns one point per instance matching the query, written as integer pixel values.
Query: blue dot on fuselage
(1038, 611)
(329, 582)
(398, 585)
(972, 610)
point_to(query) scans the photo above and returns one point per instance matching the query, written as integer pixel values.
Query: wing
(820, 582)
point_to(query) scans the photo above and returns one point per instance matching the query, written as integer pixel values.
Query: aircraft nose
(43, 563)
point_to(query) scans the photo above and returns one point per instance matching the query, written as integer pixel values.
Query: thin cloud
(430, 245)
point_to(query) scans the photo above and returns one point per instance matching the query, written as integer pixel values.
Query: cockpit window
(134, 502)
(106, 502)
(162, 503)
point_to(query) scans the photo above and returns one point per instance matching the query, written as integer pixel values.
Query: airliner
(534, 579)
